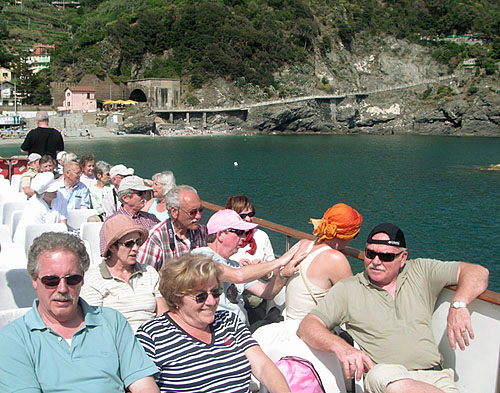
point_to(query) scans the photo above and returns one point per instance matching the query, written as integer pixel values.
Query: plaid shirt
(147, 220)
(156, 250)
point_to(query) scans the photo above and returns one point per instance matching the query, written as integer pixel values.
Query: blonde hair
(186, 275)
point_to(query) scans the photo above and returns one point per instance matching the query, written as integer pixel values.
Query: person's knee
(381, 375)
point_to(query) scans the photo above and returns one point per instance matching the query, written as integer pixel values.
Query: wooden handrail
(489, 296)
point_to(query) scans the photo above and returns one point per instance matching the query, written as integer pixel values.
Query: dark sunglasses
(383, 256)
(203, 296)
(53, 281)
(140, 193)
(130, 243)
(238, 232)
(245, 215)
(192, 213)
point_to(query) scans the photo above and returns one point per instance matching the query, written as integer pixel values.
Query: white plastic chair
(5, 234)
(7, 316)
(35, 230)
(89, 233)
(16, 289)
(77, 217)
(10, 207)
(14, 222)
(12, 256)
(15, 181)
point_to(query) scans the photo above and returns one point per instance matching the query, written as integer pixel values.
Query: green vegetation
(240, 40)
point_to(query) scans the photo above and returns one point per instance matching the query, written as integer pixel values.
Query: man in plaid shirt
(178, 234)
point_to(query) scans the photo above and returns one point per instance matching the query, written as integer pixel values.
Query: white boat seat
(76, 217)
(10, 207)
(14, 222)
(5, 234)
(89, 232)
(16, 289)
(15, 181)
(35, 230)
(7, 316)
(12, 256)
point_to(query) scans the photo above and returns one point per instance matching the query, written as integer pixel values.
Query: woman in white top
(325, 264)
(163, 182)
(102, 185)
(87, 163)
(119, 282)
(46, 206)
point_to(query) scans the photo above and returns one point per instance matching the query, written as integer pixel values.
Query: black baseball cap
(396, 235)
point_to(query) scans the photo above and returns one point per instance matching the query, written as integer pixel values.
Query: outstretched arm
(314, 333)
(472, 281)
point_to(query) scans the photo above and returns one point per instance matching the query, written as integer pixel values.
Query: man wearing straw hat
(388, 311)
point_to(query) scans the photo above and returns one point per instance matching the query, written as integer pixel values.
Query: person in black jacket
(43, 139)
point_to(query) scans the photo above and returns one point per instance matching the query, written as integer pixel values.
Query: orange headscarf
(339, 221)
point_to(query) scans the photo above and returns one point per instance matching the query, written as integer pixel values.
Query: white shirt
(264, 250)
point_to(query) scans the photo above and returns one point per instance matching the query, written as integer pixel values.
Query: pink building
(79, 98)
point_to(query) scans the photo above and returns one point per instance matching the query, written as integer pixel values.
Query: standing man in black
(43, 139)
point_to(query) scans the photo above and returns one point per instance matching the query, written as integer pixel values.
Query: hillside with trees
(246, 42)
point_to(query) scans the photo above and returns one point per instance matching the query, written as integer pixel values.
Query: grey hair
(167, 179)
(42, 116)
(172, 199)
(68, 157)
(100, 167)
(57, 241)
(127, 192)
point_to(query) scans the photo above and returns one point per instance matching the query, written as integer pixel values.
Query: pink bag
(300, 374)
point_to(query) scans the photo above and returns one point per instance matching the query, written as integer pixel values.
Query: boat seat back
(89, 232)
(15, 182)
(35, 230)
(477, 368)
(10, 207)
(16, 289)
(7, 316)
(12, 256)
(76, 217)
(5, 234)
(14, 222)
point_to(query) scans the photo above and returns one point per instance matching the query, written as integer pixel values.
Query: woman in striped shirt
(121, 283)
(196, 348)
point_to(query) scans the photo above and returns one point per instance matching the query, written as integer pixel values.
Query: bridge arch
(138, 95)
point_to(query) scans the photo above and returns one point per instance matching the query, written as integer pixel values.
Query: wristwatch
(458, 304)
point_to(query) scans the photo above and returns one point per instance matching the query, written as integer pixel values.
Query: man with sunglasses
(62, 342)
(178, 234)
(388, 311)
(132, 193)
(226, 232)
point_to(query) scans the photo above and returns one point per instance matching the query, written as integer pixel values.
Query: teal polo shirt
(104, 355)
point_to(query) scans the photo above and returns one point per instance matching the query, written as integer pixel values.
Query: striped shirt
(156, 249)
(135, 299)
(189, 365)
(147, 220)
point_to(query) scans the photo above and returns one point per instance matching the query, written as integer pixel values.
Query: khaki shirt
(391, 331)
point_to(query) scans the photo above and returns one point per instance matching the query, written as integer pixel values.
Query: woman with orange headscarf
(325, 264)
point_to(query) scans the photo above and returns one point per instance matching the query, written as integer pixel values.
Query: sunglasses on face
(245, 215)
(53, 281)
(203, 296)
(192, 213)
(140, 193)
(238, 232)
(383, 256)
(130, 243)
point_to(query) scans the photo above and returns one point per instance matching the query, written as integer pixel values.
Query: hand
(246, 262)
(354, 361)
(294, 255)
(459, 327)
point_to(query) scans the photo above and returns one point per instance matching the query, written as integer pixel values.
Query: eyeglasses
(130, 243)
(238, 232)
(192, 213)
(140, 193)
(383, 256)
(245, 215)
(53, 281)
(203, 296)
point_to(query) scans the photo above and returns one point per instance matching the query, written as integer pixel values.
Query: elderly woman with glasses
(121, 283)
(199, 349)
(163, 182)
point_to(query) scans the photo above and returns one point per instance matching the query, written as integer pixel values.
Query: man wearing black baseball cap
(388, 310)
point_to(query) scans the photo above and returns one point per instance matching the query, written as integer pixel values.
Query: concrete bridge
(199, 115)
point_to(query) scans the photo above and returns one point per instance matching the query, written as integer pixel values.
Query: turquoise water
(430, 186)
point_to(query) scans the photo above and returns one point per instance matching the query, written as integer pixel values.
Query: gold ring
(464, 330)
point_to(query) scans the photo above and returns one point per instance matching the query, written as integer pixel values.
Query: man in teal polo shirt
(62, 343)
(388, 311)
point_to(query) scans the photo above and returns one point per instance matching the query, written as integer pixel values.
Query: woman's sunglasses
(383, 256)
(130, 243)
(245, 215)
(53, 281)
(203, 296)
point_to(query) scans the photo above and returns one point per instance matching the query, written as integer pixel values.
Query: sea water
(432, 187)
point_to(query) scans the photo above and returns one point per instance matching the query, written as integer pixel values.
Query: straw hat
(116, 227)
